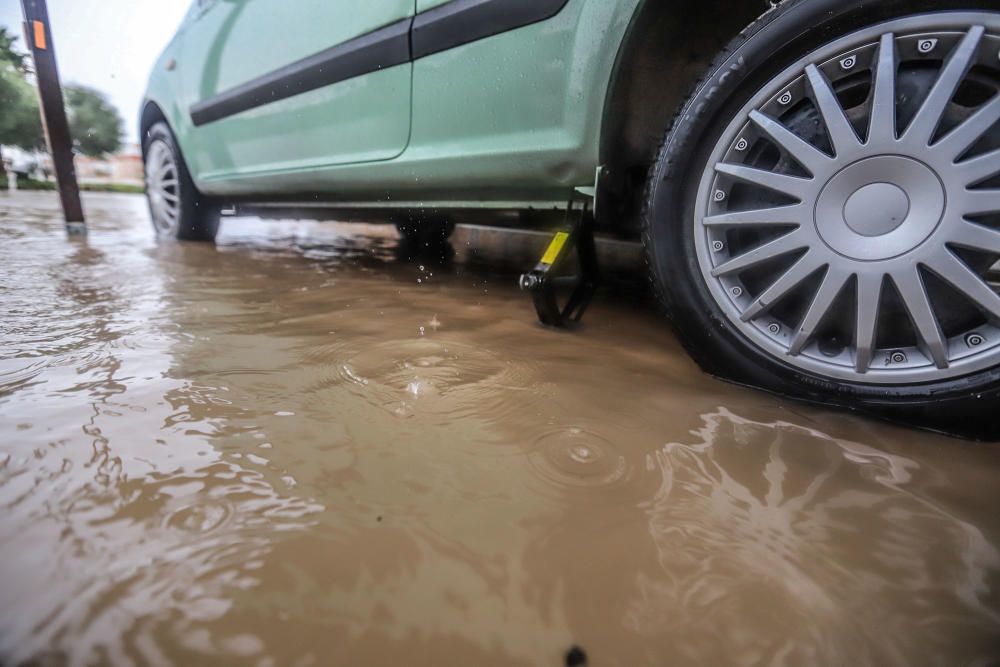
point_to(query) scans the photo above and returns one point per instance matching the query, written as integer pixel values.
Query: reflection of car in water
(818, 193)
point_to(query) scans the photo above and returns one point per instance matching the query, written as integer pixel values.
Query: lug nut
(974, 340)
(897, 357)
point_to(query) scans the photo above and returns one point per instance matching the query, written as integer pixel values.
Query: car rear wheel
(177, 209)
(425, 237)
(827, 208)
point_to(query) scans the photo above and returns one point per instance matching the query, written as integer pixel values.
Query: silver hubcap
(850, 216)
(163, 188)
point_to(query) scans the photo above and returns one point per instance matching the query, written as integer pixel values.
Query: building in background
(122, 168)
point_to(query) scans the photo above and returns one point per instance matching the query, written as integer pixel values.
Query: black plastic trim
(438, 29)
(462, 21)
(386, 47)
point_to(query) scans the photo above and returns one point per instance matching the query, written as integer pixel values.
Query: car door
(278, 86)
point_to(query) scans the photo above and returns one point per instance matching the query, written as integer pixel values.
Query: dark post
(38, 35)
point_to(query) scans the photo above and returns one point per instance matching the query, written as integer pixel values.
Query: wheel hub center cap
(876, 209)
(879, 207)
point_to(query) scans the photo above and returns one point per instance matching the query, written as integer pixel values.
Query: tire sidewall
(782, 36)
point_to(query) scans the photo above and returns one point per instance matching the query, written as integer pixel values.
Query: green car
(816, 183)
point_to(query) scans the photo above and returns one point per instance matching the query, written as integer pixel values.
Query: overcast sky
(110, 45)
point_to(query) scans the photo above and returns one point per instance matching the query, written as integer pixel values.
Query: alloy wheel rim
(163, 188)
(849, 230)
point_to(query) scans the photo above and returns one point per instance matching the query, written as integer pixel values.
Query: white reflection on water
(121, 522)
(780, 567)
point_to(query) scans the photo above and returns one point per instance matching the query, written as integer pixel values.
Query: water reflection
(293, 449)
(119, 524)
(802, 540)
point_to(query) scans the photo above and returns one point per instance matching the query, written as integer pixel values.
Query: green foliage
(32, 184)
(20, 123)
(113, 187)
(9, 55)
(93, 121)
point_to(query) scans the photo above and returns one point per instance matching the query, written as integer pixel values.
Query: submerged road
(295, 449)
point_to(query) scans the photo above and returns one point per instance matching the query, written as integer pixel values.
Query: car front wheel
(824, 218)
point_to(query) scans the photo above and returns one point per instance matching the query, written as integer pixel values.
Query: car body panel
(513, 117)
(164, 87)
(235, 41)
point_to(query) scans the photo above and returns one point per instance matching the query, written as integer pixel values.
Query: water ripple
(578, 458)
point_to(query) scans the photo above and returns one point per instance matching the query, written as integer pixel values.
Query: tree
(9, 55)
(94, 122)
(20, 123)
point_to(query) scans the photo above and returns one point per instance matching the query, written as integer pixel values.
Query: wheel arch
(153, 113)
(676, 39)
(150, 116)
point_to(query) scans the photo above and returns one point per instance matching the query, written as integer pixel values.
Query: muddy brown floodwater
(292, 449)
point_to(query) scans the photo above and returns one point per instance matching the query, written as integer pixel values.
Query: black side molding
(439, 29)
(385, 47)
(463, 21)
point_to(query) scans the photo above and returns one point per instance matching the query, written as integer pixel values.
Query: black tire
(425, 237)
(193, 216)
(964, 406)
